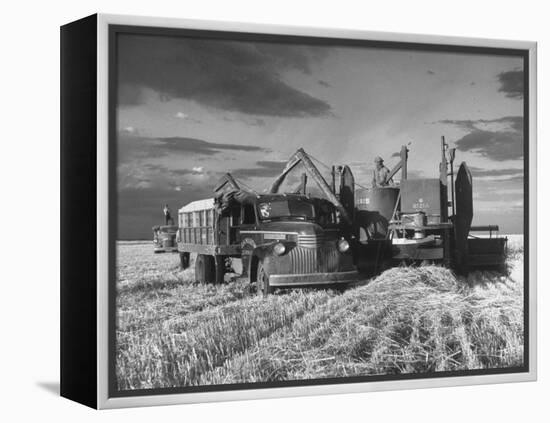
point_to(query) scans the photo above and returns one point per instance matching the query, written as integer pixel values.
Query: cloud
(497, 139)
(180, 172)
(511, 83)
(131, 147)
(323, 83)
(430, 72)
(257, 122)
(498, 146)
(265, 168)
(476, 171)
(197, 146)
(252, 121)
(130, 95)
(185, 116)
(513, 123)
(229, 75)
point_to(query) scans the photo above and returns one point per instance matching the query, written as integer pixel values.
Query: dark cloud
(228, 75)
(499, 144)
(131, 147)
(130, 95)
(514, 122)
(494, 145)
(265, 168)
(196, 146)
(257, 122)
(323, 83)
(247, 120)
(430, 72)
(511, 83)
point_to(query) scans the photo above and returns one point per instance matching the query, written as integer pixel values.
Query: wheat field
(173, 332)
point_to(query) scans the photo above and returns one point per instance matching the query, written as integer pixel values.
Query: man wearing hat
(381, 173)
(167, 215)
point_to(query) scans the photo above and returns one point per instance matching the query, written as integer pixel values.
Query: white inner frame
(103, 401)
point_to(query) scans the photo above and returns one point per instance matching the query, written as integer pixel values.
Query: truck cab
(283, 240)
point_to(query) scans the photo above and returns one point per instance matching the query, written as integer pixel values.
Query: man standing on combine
(167, 216)
(381, 174)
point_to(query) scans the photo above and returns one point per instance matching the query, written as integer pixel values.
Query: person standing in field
(167, 215)
(381, 174)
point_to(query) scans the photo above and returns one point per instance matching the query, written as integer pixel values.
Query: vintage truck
(282, 240)
(164, 238)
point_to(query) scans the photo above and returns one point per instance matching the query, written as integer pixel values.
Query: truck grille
(311, 241)
(314, 260)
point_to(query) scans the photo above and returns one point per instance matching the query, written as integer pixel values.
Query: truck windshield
(168, 229)
(286, 208)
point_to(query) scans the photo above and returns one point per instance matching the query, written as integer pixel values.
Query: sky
(191, 109)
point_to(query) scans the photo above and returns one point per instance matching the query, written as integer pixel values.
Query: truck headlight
(343, 245)
(279, 249)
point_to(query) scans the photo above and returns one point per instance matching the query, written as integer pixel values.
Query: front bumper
(314, 279)
(166, 249)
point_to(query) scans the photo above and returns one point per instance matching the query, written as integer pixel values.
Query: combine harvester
(426, 220)
(295, 239)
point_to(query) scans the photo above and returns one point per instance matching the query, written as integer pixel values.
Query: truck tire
(184, 260)
(205, 269)
(219, 264)
(262, 281)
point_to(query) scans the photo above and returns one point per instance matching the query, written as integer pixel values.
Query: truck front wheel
(184, 260)
(205, 269)
(262, 281)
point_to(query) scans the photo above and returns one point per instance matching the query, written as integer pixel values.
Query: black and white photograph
(284, 211)
(296, 210)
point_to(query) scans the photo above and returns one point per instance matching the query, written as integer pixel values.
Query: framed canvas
(254, 211)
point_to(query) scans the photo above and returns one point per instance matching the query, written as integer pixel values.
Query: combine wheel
(205, 269)
(262, 281)
(184, 260)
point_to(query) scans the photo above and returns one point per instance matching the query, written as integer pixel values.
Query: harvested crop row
(137, 265)
(151, 289)
(406, 320)
(184, 348)
(138, 311)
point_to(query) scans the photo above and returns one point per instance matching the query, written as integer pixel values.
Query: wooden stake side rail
(222, 250)
(203, 235)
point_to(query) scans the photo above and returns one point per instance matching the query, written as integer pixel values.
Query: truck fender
(258, 254)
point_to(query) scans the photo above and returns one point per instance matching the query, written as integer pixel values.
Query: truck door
(247, 241)
(235, 221)
(247, 220)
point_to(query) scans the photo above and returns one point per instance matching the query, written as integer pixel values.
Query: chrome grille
(314, 260)
(311, 241)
